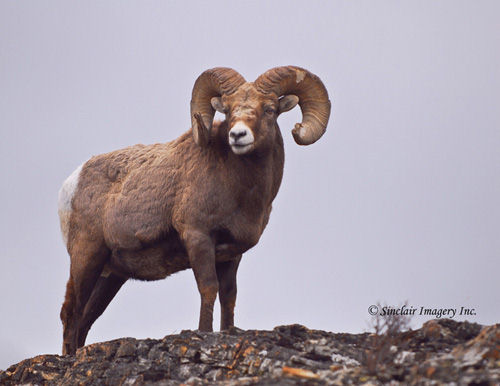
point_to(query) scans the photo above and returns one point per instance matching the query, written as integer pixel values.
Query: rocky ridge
(441, 352)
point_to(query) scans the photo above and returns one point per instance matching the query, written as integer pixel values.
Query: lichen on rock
(442, 351)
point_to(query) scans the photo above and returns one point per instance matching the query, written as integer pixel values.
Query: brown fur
(146, 212)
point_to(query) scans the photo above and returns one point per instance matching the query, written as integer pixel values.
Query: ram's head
(252, 108)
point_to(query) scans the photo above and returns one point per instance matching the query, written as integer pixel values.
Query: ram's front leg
(201, 252)
(226, 273)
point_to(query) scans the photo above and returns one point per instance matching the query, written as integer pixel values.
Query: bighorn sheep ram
(200, 201)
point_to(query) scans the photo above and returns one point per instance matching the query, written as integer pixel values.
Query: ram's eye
(269, 110)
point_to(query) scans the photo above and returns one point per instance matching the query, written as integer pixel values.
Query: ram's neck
(278, 163)
(261, 170)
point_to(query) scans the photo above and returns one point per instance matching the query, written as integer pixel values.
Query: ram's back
(129, 180)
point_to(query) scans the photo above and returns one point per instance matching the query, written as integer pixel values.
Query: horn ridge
(211, 83)
(313, 99)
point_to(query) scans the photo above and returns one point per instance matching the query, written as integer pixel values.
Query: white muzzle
(241, 138)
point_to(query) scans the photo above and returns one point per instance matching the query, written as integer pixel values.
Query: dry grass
(386, 332)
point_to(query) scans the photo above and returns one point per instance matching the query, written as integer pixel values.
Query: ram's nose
(240, 134)
(237, 134)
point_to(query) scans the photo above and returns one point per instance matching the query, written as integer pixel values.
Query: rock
(442, 351)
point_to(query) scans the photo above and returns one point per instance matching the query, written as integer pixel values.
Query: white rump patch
(64, 207)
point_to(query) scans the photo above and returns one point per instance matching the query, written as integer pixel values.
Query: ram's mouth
(241, 148)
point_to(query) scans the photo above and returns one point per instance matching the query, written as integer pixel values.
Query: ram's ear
(288, 102)
(216, 103)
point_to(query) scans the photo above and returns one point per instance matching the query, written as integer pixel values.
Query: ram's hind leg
(87, 262)
(226, 274)
(67, 316)
(104, 291)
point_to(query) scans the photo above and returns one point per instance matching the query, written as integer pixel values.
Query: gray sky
(399, 201)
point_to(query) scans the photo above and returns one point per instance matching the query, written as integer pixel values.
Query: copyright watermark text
(406, 310)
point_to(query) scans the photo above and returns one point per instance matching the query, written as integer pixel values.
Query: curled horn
(313, 99)
(211, 83)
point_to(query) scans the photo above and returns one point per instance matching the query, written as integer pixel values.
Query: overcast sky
(399, 201)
